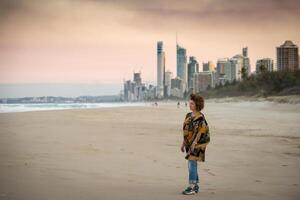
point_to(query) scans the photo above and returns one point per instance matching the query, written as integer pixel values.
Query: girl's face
(192, 105)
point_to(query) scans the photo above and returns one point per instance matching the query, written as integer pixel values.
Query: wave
(7, 108)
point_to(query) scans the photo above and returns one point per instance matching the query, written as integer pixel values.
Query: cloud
(223, 10)
(222, 13)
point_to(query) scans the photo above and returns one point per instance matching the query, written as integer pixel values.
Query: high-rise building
(126, 90)
(237, 63)
(246, 65)
(168, 77)
(130, 91)
(202, 81)
(193, 67)
(137, 78)
(160, 69)
(181, 63)
(177, 87)
(221, 63)
(225, 70)
(229, 71)
(245, 51)
(246, 61)
(287, 56)
(136, 90)
(264, 64)
(209, 66)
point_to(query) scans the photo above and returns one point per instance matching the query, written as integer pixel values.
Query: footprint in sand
(213, 190)
(210, 173)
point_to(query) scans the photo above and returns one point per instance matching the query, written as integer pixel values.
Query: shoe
(188, 191)
(196, 188)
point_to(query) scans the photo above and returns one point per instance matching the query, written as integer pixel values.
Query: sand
(134, 153)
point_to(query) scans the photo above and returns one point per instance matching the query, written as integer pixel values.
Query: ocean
(7, 108)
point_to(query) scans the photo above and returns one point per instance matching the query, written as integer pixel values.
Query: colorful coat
(195, 129)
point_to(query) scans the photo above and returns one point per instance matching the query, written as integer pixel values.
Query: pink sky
(73, 41)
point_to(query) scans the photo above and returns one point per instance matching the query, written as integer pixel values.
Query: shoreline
(32, 107)
(280, 100)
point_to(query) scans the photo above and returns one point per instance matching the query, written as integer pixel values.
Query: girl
(195, 138)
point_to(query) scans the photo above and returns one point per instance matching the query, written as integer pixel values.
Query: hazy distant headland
(53, 99)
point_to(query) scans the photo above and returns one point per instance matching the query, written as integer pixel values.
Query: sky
(102, 42)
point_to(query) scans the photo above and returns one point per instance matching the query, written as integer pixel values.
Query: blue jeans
(193, 172)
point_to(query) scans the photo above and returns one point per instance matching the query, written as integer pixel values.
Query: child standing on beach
(195, 138)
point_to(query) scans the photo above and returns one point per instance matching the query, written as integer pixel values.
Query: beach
(134, 153)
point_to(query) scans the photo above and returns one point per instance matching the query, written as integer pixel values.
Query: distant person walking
(178, 104)
(195, 138)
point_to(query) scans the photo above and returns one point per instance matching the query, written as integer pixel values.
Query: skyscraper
(168, 77)
(237, 63)
(181, 63)
(202, 81)
(221, 65)
(160, 69)
(287, 56)
(245, 51)
(209, 66)
(225, 69)
(137, 78)
(264, 64)
(177, 87)
(193, 67)
(246, 61)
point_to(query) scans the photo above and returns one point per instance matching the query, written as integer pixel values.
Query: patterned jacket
(195, 130)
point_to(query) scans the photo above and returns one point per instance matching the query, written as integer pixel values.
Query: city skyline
(189, 79)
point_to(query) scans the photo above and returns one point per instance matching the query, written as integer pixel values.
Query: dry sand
(134, 153)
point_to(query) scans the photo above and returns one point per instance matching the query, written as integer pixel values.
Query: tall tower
(246, 61)
(287, 56)
(137, 78)
(181, 62)
(168, 77)
(245, 51)
(160, 69)
(193, 67)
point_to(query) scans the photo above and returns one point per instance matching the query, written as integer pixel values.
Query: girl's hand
(193, 146)
(182, 147)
